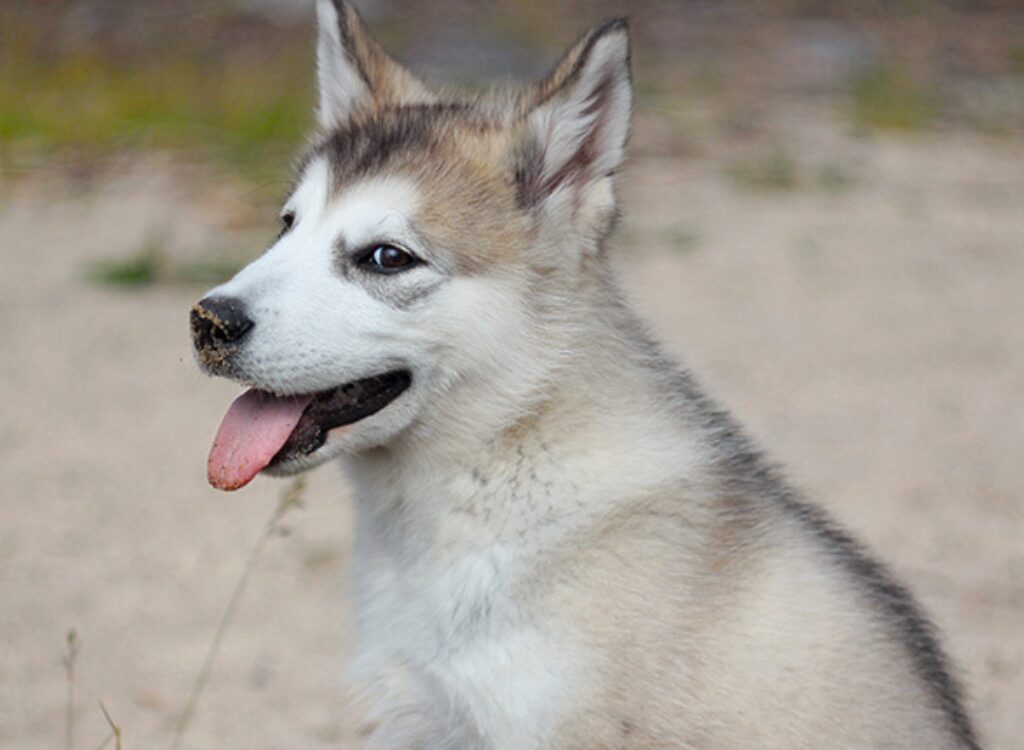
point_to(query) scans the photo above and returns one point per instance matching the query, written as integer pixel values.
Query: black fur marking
(348, 42)
(367, 145)
(527, 166)
(341, 260)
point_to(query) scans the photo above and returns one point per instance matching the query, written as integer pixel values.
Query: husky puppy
(560, 542)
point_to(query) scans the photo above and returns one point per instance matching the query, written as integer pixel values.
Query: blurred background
(824, 211)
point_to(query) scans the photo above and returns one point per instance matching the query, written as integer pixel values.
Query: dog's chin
(292, 465)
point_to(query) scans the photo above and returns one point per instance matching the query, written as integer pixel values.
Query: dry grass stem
(115, 730)
(291, 498)
(68, 661)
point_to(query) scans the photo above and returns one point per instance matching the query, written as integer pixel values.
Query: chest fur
(450, 642)
(460, 588)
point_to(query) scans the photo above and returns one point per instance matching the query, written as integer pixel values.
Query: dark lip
(340, 406)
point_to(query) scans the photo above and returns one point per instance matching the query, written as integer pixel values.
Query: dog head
(425, 253)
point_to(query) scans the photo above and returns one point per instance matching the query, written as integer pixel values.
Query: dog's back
(751, 621)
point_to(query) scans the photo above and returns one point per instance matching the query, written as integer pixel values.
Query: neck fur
(538, 446)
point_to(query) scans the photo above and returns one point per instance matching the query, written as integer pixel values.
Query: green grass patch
(888, 98)
(1016, 57)
(141, 269)
(150, 265)
(834, 178)
(775, 170)
(250, 113)
(679, 238)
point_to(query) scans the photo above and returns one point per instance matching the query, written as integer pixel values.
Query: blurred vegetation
(679, 238)
(887, 97)
(778, 170)
(1016, 55)
(834, 178)
(232, 79)
(151, 265)
(250, 114)
(775, 170)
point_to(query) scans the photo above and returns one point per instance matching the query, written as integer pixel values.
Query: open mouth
(264, 430)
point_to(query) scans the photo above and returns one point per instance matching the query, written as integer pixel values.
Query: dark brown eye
(287, 221)
(387, 259)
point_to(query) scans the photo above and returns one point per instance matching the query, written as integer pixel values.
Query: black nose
(217, 321)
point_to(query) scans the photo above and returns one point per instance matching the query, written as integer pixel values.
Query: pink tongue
(253, 431)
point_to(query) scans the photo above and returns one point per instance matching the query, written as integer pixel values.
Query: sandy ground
(873, 339)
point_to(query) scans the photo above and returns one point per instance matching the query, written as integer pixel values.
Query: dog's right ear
(353, 72)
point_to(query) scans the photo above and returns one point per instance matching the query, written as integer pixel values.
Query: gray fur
(746, 473)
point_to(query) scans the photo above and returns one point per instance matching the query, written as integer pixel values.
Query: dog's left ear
(578, 124)
(353, 72)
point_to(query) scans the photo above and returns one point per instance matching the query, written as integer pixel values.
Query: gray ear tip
(619, 24)
(616, 32)
(341, 7)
